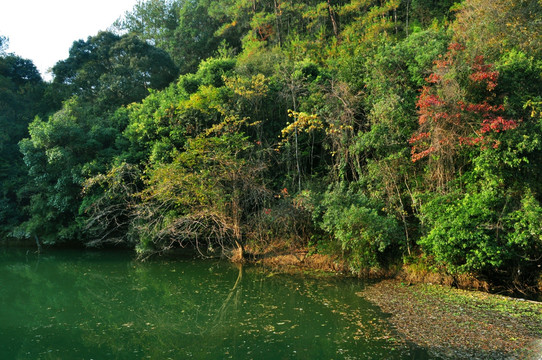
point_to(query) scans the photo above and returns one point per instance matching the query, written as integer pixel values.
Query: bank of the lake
(452, 323)
(461, 324)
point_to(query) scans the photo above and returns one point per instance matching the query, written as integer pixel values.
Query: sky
(44, 30)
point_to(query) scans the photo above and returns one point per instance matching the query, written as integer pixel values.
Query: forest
(385, 133)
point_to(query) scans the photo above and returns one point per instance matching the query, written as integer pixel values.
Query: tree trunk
(38, 243)
(332, 17)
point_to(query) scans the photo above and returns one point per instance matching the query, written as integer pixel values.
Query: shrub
(363, 230)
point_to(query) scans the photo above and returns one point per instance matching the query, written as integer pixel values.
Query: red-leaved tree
(457, 108)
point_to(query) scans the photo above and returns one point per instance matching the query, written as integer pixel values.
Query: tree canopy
(382, 132)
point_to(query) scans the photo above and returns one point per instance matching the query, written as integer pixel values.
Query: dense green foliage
(22, 93)
(379, 131)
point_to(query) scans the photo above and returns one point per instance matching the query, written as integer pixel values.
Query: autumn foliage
(450, 116)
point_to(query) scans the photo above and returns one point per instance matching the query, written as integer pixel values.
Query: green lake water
(68, 304)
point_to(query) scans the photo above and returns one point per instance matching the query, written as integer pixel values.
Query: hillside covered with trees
(381, 132)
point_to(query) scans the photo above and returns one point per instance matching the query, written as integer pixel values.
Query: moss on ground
(455, 324)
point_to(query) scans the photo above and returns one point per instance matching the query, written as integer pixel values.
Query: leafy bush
(355, 221)
(485, 230)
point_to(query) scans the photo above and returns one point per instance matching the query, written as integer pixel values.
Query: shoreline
(455, 323)
(452, 323)
(408, 273)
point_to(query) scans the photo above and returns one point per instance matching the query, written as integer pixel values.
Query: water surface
(72, 304)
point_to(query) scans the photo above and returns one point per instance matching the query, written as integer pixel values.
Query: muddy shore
(451, 323)
(461, 324)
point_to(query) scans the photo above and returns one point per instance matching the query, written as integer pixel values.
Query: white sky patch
(44, 30)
